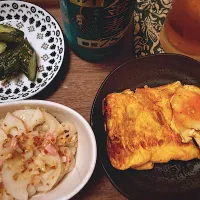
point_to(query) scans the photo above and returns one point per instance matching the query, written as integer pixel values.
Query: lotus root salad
(36, 152)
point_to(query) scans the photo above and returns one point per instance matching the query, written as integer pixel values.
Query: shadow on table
(59, 78)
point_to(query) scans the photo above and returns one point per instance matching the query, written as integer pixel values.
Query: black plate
(175, 179)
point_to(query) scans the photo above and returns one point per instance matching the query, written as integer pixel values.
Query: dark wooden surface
(75, 86)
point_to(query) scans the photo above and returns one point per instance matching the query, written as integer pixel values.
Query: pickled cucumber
(28, 60)
(10, 34)
(9, 63)
(2, 47)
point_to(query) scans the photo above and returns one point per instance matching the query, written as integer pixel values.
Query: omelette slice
(186, 113)
(139, 129)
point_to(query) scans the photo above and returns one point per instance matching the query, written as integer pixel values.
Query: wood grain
(45, 3)
(76, 86)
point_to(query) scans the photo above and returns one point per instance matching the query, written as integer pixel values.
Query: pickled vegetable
(2, 47)
(16, 54)
(28, 60)
(10, 34)
(9, 63)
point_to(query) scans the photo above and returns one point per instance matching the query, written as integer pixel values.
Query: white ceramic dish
(86, 151)
(46, 37)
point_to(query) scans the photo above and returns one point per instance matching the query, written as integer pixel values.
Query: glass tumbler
(181, 30)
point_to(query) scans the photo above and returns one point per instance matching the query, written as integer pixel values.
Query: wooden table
(76, 86)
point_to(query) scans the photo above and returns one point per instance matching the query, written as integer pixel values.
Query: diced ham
(51, 149)
(51, 137)
(13, 143)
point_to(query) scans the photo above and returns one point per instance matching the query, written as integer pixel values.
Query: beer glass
(181, 30)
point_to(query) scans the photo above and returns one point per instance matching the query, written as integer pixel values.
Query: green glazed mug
(95, 28)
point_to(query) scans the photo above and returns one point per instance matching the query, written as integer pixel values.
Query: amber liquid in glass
(181, 31)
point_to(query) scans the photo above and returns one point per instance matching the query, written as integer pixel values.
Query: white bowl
(86, 151)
